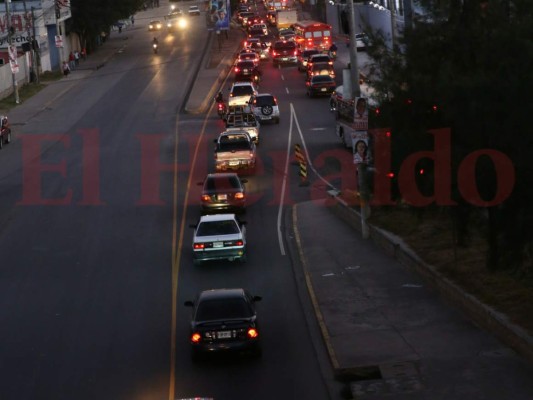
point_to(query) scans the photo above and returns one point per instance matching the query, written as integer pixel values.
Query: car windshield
(214, 228)
(222, 183)
(234, 144)
(242, 91)
(217, 309)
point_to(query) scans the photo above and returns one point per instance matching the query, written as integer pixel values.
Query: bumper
(234, 165)
(230, 346)
(285, 60)
(224, 254)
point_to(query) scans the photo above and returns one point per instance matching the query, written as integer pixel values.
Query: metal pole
(354, 68)
(364, 199)
(9, 39)
(58, 33)
(393, 22)
(31, 42)
(36, 50)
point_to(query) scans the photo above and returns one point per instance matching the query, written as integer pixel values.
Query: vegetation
(90, 18)
(466, 66)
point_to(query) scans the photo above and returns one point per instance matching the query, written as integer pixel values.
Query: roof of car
(215, 175)
(216, 217)
(243, 83)
(221, 293)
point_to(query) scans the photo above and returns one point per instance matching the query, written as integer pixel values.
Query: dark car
(246, 70)
(303, 58)
(284, 52)
(319, 58)
(223, 191)
(320, 85)
(224, 320)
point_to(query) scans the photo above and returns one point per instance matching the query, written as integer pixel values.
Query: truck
(237, 120)
(234, 151)
(285, 18)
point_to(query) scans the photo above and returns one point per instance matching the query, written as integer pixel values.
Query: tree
(472, 60)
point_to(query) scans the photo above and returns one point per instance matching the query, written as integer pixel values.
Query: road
(95, 242)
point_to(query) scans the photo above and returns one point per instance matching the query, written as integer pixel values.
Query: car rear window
(322, 79)
(209, 310)
(261, 101)
(246, 64)
(242, 91)
(233, 144)
(213, 228)
(222, 183)
(284, 45)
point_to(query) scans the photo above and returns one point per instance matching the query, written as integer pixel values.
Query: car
(248, 56)
(284, 51)
(240, 93)
(243, 17)
(286, 34)
(265, 107)
(320, 68)
(263, 27)
(219, 237)
(303, 58)
(258, 33)
(258, 46)
(271, 17)
(361, 41)
(321, 57)
(155, 25)
(246, 70)
(235, 150)
(320, 85)
(224, 320)
(223, 191)
(243, 120)
(5, 131)
(175, 21)
(194, 11)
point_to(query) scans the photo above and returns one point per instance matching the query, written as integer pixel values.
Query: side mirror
(257, 298)
(244, 180)
(189, 303)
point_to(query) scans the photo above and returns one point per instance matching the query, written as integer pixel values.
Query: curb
(488, 318)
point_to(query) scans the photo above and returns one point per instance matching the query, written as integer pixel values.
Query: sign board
(12, 50)
(360, 114)
(217, 15)
(59, 41)
(361, 154)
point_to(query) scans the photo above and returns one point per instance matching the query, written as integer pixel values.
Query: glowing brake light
(252, 333)
(239, 195)
(196, 337)
(236, 69)
(239, 243)
(199, 246)
(390, 175)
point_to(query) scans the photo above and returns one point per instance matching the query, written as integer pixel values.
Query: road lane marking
(287, 90)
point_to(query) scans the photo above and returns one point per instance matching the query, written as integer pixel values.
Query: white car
(265, 107)
(194, 10)
(240, 93)
(219, 237)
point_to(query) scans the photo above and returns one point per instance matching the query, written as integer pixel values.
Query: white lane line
(282, 77)
(287, 90)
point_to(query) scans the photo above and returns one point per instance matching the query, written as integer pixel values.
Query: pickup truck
(234, 151)
(238, 121)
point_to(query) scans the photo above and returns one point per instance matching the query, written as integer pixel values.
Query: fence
(6, 78)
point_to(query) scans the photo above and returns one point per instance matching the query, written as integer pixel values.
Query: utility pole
(354, 68)
(35, 47)
(57, 9)
(394, 34)
(12, 54)
(32, 37)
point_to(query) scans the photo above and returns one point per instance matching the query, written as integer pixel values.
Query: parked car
(320, 85)
(265, 107)
(303, 58)
(223, 191)
(284, 52)
(224, 320)
(219, 237)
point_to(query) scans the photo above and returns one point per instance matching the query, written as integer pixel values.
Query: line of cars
(226, 319)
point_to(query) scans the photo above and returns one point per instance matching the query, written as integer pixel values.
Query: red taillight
(206, 197)
(220, 106)
(239, 243)
(274, 53)
(199, 246)
(252, 333)
(390, 175)
(295, 52)
(236, 69)
(196, 337)
(388, 134)
(239, 195)
(275, 101)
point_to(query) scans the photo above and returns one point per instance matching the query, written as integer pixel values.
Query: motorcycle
(332, 54)
(154, 46)
(221, 109)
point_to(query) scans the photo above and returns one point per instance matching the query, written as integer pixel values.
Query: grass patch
(28, 90)
(430, 233)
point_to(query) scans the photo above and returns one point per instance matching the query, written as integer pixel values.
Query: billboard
(217, 15)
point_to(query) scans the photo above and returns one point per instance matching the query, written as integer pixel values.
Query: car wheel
(196, 262)
(8, 137)
(267, 110)
(243, 259)
(1, 142)
(276, 120)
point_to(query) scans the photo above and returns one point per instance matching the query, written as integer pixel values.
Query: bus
(313, 35)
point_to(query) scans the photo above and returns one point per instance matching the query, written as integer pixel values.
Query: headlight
(182, 23)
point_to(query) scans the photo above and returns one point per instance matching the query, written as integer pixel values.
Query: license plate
(224, 334)
(222, 196)
(218, 244)
(263, 117)
(284, 59)
(234, 163)
(245, 71)
(323, 89)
